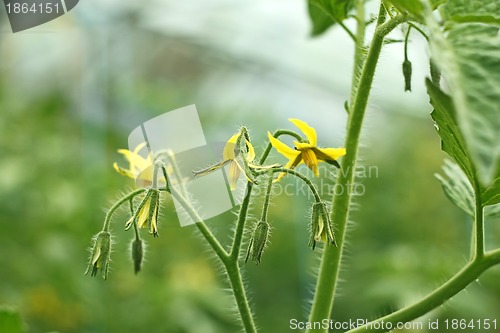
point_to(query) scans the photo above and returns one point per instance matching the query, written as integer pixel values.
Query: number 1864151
(473, 324)
(39, 8)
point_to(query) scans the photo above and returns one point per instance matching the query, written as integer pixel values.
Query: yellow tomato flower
(306, 152)
(141, 169)
(230, 156)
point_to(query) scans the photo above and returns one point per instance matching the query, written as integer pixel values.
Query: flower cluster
(151, 175)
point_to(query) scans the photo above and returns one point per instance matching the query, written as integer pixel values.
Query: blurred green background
(72, 90)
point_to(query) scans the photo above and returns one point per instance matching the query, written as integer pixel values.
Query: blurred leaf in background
(10, 321)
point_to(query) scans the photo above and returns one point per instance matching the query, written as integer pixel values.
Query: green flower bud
(321, 228)
(407, 74)
(137, 254)
(146, 214)
(101, 253)
(258, 242)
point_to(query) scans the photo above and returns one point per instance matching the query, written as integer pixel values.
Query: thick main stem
(359, 51)
(330, 262)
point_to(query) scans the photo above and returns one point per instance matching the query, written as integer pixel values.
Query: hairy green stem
(330, 262)
(407, 37)
(234, 274)
(240, 226)
(306, 180)
(267, 198)
(359, 47)
(416, 27)
(111, 211)
(228, 260)
(136, 230)
(452, 287)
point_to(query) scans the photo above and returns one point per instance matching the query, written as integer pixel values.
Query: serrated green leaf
(469, 58)
(452, 141)
(486, 11)
(325, 13)
(457, 187)
(10, 321)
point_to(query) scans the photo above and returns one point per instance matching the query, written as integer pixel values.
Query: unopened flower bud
(321, 226)
(407, 74)
(147, 212)
(137, 254)
(101, 252)
(258, 242)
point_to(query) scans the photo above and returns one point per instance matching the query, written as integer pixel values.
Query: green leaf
(486, 11)
(492, 212)
(457, 187)
(452, 141)
(320, 21)
(414, 7)
(491, 195)
(325, 13)
(10, 321)
(469, 58)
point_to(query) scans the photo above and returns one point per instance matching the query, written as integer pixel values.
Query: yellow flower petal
(139, 147)
(302, 145)
(282, 148)
(95, 258)
(251, 152)
(235, 170)
(234, 174)
(329, 154)
(123, 171)
(320, 235)
(229, 149)
(292, 163)
(308, 131)
(129, 223)
(311, 161)
(144, 214)
(263, 167)
(153, 228)
(137, 163)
